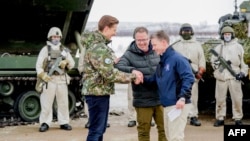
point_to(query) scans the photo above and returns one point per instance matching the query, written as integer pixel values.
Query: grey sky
(180, 11)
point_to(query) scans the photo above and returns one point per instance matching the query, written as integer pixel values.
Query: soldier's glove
(240, 76)
(44, 77)
(199, 73)
(63, 64)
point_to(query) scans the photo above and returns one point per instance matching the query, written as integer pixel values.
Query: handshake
(139, 77)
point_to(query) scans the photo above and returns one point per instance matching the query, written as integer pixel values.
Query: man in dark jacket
(174, 78)
(140, 56)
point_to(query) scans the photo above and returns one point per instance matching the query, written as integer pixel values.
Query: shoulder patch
(108, 61)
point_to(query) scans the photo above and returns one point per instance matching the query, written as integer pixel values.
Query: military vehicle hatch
(23, 32)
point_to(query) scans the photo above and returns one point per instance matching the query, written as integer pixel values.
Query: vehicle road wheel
(27, 106)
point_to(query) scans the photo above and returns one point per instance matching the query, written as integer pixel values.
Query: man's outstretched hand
(139, 77)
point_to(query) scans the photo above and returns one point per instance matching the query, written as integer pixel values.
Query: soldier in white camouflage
(233, 54)
(56, 83)
(100, 76)
(190, 48)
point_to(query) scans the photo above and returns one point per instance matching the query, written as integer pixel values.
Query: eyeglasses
(141, 40)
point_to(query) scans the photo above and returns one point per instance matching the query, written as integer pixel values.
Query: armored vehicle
(240, 22)
(23, 32)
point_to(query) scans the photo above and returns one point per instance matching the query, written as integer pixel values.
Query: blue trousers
(98, 107)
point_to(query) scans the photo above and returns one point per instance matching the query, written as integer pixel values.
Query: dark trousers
(98, 107)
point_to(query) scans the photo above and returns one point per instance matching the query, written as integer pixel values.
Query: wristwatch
(182, 99)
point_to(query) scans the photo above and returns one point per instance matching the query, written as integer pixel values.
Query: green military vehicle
(23, 32)
(240, 22)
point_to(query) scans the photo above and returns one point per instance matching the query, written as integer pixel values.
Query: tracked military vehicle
(23, 32)
(239, 20)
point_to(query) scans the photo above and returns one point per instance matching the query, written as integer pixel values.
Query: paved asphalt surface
(118, 130)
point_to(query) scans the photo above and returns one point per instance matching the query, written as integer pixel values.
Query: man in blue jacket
(174, 78)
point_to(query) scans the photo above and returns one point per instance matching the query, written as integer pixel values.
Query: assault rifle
(223, 63)
(54, 68)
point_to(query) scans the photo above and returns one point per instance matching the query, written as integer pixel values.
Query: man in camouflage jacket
(99, 75)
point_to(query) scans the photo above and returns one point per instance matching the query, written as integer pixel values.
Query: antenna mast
(235, 7)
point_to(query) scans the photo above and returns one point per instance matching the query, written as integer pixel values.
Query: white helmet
(54, 31)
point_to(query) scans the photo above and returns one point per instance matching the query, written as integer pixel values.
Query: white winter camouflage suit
(56, 87)
(193, 51)
(234, 52)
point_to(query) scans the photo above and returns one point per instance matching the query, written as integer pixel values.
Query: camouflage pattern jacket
(99, 74)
